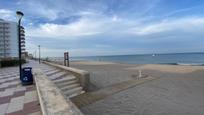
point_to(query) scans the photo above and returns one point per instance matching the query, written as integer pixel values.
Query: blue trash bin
(27, 76)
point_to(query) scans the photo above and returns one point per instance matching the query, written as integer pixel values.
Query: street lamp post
(39, 53)
(35, 55)
(19, 15)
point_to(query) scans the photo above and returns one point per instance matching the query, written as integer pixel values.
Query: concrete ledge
(52, 102)
(82, 76)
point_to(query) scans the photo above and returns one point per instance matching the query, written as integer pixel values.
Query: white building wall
(12, 37)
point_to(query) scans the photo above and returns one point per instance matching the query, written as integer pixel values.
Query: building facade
(23, 50)
(9, 39)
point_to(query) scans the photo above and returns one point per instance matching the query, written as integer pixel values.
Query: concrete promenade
(16, 99)
(52, 89)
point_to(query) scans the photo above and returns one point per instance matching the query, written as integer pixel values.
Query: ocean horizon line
(192, 58)
(141, 54)
(127, 54)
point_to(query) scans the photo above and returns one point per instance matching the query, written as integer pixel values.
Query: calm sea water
(175, 59)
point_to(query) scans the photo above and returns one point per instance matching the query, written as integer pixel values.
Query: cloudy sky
(109, 27)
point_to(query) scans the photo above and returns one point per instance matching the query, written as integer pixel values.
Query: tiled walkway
(16, 99)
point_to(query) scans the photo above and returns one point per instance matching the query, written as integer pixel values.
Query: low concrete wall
(52, 102)
(82, 76)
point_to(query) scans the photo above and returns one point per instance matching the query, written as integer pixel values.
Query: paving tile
(2, 80)
(36, 113)
(7, 93)
(13, 83)
(2, 89)
(21, 88)
(4, 100)
(31, 107)
(12, 88)
(15, 113)
(9, 80)
(30, 88)
(16, 99)
(16, 104)
(3, 108)
(18, 93)
(4, 85)
(30, 96)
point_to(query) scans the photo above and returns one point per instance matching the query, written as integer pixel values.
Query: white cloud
(114, 26)
(7, 14)
(81, 28)
(115, 18)
(90, 24)
(193, 25)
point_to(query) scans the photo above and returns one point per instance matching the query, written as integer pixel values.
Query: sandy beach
(177, 91)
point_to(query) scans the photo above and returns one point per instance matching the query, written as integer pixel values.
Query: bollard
(140, 74)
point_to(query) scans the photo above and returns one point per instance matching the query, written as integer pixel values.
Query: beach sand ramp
(91, 97)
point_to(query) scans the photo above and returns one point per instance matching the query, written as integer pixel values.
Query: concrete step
(57, 75)
(65, 79)
(61, 85)
(72, 91)
(52, 72)
(76, 94)
(70, 87)
(48, 69)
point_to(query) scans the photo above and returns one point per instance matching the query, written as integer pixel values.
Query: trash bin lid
(27, 68)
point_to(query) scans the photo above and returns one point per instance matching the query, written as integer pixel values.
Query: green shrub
(8, 63)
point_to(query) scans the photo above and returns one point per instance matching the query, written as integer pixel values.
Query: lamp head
(19, 14)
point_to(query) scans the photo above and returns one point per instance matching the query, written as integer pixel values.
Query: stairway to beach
(66, 82)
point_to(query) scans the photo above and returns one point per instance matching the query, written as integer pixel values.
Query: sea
(171, 58)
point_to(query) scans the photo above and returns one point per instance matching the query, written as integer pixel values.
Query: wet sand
(178, 91)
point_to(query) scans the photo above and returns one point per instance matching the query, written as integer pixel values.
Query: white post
(140, 73)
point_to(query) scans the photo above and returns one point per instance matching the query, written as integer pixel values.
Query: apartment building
(9, 39)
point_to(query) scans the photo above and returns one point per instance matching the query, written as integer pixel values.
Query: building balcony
(6, 31)
(22, 41)
(6, 23)
(4, 41)
(4, 36)
(22, 38)
(22, 31)
(22, 27)
(4, 44)
(22, 34)
(6, 28)
(23, 45)
(5, 48)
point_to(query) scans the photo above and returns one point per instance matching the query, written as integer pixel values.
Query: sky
(109, 27)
